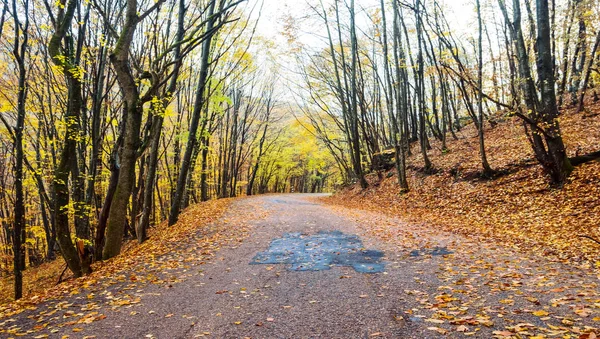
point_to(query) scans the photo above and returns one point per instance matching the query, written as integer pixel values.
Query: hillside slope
(518, 207)
(40, 282)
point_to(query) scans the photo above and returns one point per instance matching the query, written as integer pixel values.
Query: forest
(117, 115)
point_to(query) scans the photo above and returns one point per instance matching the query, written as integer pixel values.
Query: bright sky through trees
(276, 16)
(272, 18)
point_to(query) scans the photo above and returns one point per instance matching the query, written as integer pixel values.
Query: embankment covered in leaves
(40, 283)
(517, 207)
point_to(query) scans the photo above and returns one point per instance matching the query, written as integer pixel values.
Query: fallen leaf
(540, 313)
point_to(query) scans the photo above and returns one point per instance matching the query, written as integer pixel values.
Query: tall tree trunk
(119, 58)
(204, 174)
(399, 119)
(358, 171)
(68, 157)
(487, 170)
(580, 55)
(113, 181)
(92, 198)
(421, 90)
(198, 106)
(565, 56)
(525, 79)
(560, 166)
(19, 52)
(158, 119)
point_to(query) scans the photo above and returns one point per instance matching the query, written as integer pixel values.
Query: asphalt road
(235, 299)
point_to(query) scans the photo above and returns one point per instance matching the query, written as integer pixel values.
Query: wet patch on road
(435, 251)
(321, 251)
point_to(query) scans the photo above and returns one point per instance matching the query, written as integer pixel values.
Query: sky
(461, 16)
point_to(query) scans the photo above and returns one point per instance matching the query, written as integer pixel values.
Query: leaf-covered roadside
(517, 208)
(194, 238)
(481, 289)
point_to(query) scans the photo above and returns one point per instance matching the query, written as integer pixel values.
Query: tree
(20, 50)
(556, 161)
(157, 124)
(420, 85)
(487, 170)
(133, 105)
(541, 120)
(198, 106)
(398, 120)
(357, 164)
(68, 62)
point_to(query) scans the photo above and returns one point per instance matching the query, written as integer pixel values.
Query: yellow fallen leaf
(532, 299)
(540, 313)
(582, 312)
(567, 322)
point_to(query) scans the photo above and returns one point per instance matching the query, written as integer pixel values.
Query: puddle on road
(321, 251)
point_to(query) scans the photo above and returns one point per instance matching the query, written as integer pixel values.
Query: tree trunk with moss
(131, 138)
(68, 158)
